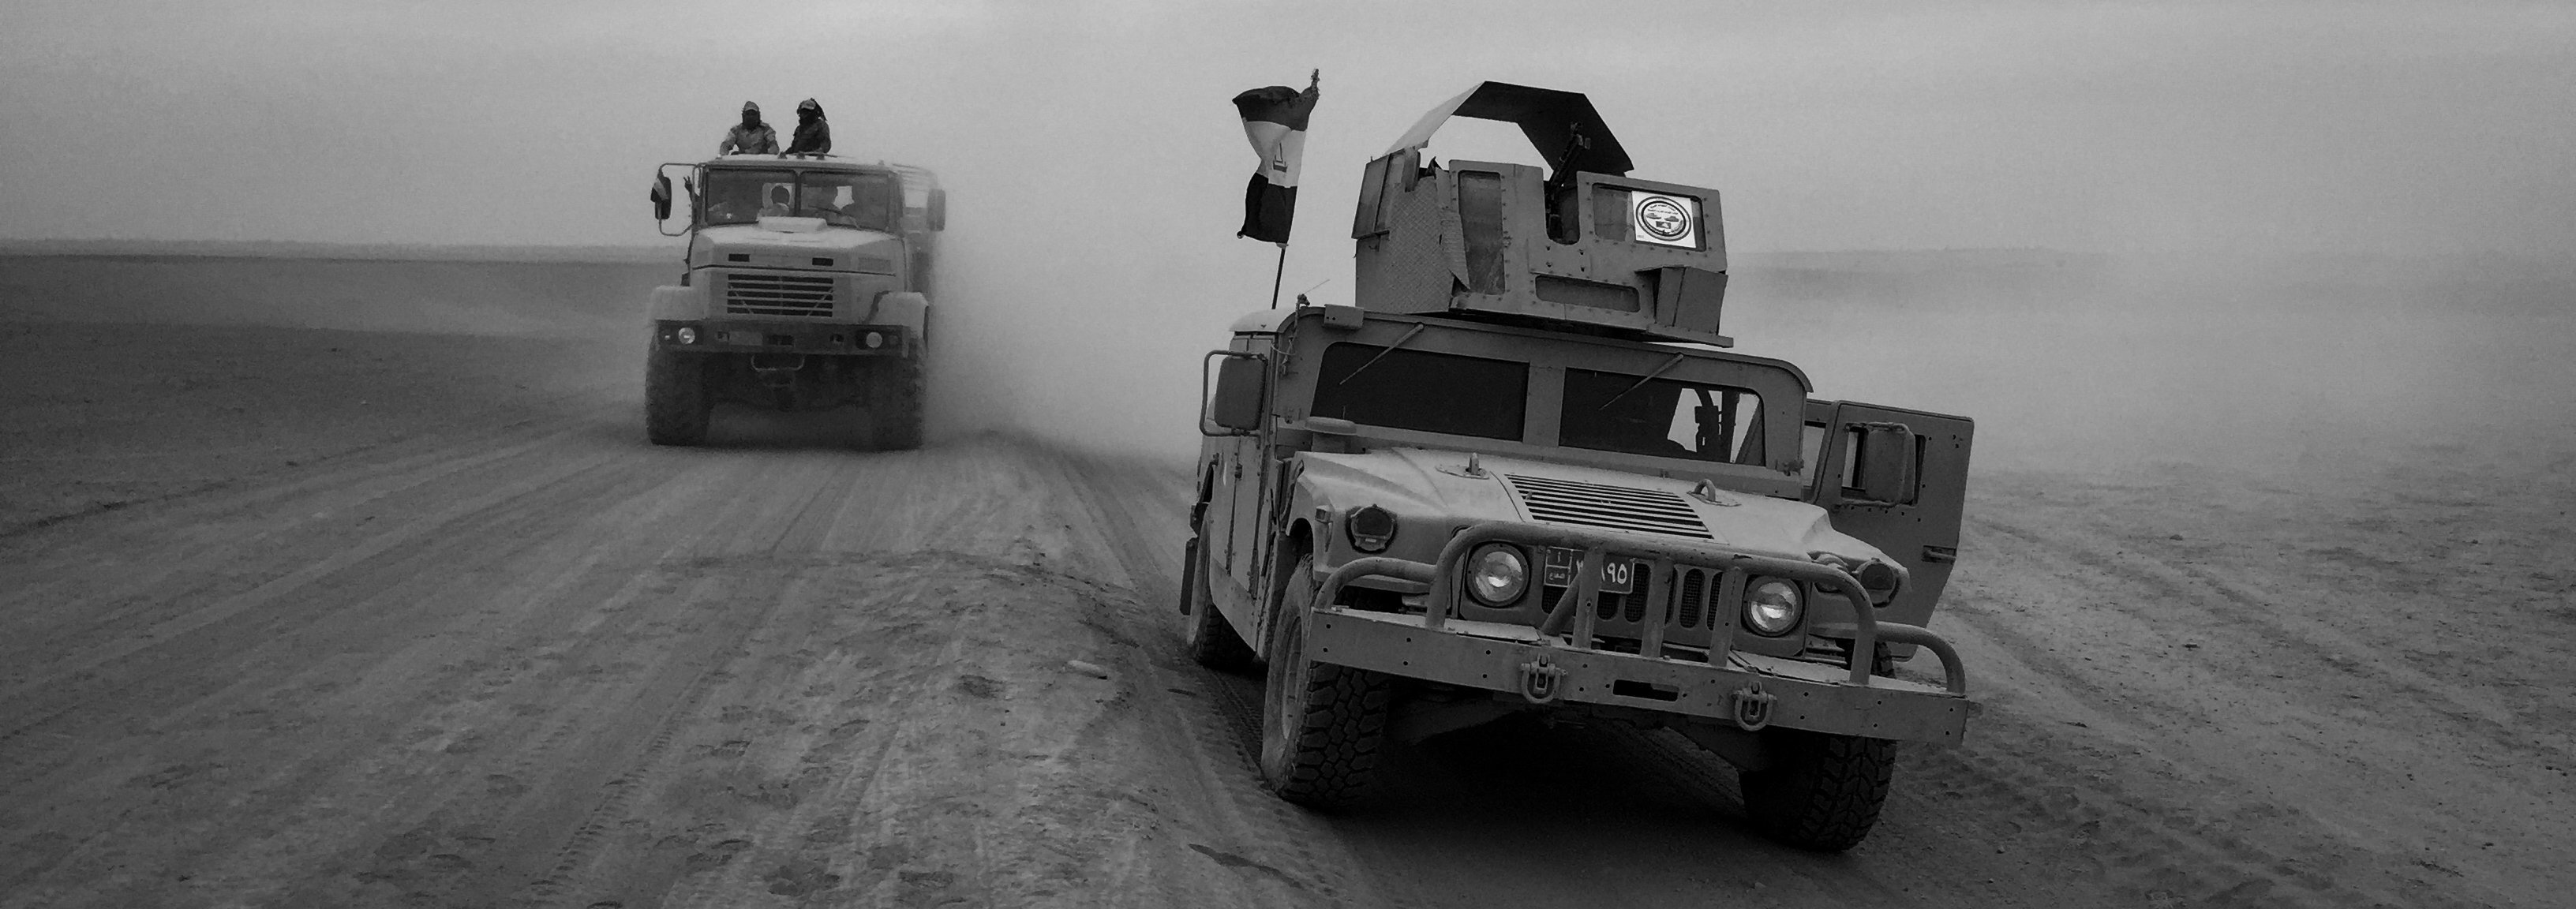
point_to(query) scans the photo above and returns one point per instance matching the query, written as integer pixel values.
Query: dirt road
(477, 644)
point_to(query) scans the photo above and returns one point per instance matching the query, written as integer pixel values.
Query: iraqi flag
(1274, 119)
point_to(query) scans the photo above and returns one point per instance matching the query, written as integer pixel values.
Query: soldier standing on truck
(751, 136)
(813, 133)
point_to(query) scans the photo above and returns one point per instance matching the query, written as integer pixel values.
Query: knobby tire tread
(1333, 757)
(1822, 792)
(1337, 752)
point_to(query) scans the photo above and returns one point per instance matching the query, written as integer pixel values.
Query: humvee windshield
(1422, 391)
(1608, 411)
(861, 199)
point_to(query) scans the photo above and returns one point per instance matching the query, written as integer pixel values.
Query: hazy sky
(2359, 126)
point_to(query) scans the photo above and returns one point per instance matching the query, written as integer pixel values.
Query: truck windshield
(1608, 411)
(860, 199)
(1422, 391)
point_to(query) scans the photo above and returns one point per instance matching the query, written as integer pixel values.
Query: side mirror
(662, 197)
(1235, 407)
(1885, 469)
(938, 209)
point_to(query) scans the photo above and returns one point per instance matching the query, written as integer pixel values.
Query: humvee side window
(1811, 451)
(1856, 450)
(1607, 411)
(1422, 391)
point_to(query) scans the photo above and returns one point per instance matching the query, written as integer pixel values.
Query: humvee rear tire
(1211, 639)
(1820, 791)
(676, 403)
(1322, 725)
(897, 409)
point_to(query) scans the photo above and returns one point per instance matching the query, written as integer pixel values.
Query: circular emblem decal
(1663, 219)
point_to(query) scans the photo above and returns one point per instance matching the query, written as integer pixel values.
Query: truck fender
(902, 307)
(674, 302)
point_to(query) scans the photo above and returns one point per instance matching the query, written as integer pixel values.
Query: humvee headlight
(685, 335)
(1370, 528)
(1772, 606)
(875, 340)
(1496, 574)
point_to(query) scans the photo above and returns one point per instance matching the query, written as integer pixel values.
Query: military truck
(807, 287)
(1526, 473)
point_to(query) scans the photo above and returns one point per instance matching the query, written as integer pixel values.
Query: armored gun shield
(1585, 245)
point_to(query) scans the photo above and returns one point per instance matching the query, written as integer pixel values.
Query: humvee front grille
(1689, 590)
(1692, 601)
(1612, 507)
(757, 294)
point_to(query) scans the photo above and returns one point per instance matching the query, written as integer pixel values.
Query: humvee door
(1898, 479)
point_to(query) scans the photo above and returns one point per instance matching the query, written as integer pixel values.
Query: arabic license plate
(1617, 575)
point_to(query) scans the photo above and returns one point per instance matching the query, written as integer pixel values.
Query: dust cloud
(2272, 364)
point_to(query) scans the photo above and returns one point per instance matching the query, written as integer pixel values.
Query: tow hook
(1750, 707)
(777, 370)
(1540, 681)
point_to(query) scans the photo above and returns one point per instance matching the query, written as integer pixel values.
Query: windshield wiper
(1399, 342)
(1641, 383)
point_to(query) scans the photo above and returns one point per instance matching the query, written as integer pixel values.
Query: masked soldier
(813, 133)
(751, 136)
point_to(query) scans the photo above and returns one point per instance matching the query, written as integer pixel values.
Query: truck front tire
(1819, 791)
(896, 404)
(1322, 725)
(676, 403)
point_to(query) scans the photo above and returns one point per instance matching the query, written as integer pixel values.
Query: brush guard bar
(1553, 662)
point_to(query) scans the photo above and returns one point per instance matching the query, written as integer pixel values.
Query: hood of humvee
(1431, 486)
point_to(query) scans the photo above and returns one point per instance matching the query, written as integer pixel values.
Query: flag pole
(1282, 272)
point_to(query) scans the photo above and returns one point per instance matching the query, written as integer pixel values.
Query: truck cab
(806, 286)
(1525, 473)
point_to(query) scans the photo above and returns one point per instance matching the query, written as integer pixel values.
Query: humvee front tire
(897, 404)
(676, 403)
(1211, 639)
(1321, 725)
(1820, 791)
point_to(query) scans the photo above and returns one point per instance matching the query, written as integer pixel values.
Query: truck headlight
(1772, 607)
(875, 340)
(685, 335)
(1370, 528)
(1497, 574)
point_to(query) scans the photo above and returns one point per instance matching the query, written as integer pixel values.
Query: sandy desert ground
(334, 583)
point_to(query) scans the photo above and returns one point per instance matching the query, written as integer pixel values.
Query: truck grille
(778, 295)
(1612, 507)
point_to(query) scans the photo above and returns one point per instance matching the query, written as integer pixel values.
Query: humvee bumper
(1551, 663)
(753, 336)
(1804, 695)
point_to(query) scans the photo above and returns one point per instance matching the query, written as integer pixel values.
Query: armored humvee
(1525, 473)
(807, 287)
